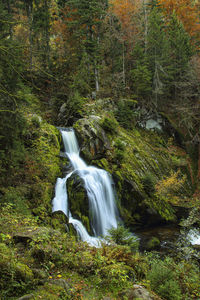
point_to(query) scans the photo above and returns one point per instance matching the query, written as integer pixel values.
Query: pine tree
(157, 52)
(84, 22)
(181, 51)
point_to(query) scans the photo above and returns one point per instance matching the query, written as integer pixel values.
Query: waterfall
(98, 185)
(194, 237)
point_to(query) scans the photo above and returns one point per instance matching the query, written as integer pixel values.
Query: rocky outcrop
(92, 138)
(137, 160)
(137, 292)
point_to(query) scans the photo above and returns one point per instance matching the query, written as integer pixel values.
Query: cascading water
(98, 185)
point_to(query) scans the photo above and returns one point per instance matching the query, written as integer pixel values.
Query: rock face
(137, 160)
(93, 139)
(78, 200)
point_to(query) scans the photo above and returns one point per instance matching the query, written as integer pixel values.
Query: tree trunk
(123, 65)
(145, 25)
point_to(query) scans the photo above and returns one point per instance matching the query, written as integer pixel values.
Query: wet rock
(93, 139)
(59, 220)
(78, 200)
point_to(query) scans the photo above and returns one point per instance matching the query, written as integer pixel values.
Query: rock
(23, 272)
(63, 108)
(59, 220)
(153, 243)
(26, 234)
(153, 124)
(78, 200)
(62, 283)
(196, 246)
(93, 139)
(26, 297)
(137, 292)
(39, 274)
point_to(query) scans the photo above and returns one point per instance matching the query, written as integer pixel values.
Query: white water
(194, 237)
(98, 185)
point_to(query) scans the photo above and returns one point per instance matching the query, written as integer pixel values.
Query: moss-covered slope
(151, 174)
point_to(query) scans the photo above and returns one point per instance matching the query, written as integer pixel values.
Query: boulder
(27, 234)
(137, 292)
(93, 139)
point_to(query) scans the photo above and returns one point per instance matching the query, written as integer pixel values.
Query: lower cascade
(98, 185)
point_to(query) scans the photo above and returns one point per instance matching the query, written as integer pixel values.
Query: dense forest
(125, 74)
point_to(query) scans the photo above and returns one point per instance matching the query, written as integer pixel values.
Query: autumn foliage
(187, 11)
(126, 11)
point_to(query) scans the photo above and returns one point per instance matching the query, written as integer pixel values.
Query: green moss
(110, 125)
(153, 243)
(23, 272)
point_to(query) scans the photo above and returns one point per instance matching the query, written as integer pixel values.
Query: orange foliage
(187, 11)
(125, 10)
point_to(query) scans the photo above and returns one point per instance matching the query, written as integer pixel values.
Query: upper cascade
(98, 185)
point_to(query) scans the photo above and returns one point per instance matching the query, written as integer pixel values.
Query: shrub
(163, 280)
(122, 236)
(148, 182)
(125, 113)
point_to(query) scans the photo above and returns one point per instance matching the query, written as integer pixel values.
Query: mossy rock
(92, 138)
(153, 243)
(59, 221)
(23, 272)
(52, 291)
(78, 200)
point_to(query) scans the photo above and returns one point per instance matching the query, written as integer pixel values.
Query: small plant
(119, 145)
(123, 236)
(148, 182)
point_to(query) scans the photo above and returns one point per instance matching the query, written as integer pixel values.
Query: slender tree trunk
(123, 65)
(96, 73)
(145, 25)
(46, 37)
(30, 21)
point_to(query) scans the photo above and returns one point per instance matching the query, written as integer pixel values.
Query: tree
(158, 56)
(187, 12)
(181, 52)
(83, 22)
(126, 12)
(11, 66)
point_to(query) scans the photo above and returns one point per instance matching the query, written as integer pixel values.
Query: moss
(50, 291)
(153, 243)
(23, 272)
(110, 125)
(136, 158)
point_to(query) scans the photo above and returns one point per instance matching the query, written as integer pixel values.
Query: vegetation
(108, 68)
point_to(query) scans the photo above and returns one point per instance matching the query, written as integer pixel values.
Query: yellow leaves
(171, 184)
